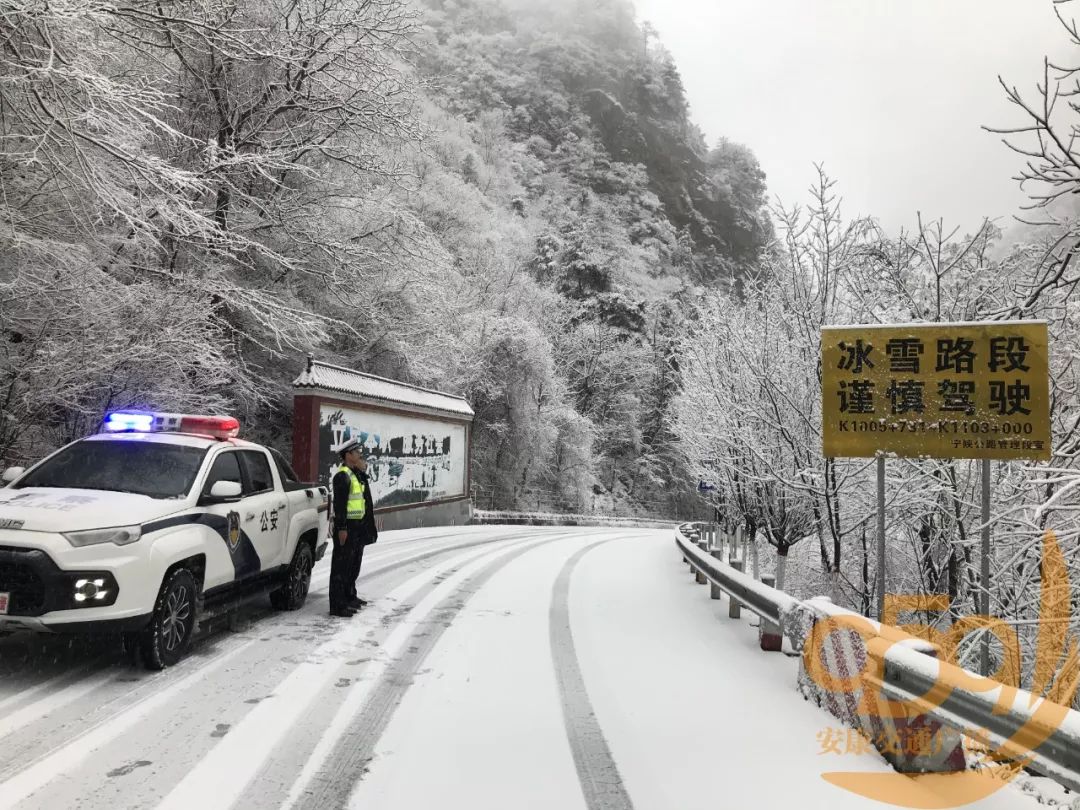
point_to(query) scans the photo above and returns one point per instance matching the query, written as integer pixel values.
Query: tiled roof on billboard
(346, 381)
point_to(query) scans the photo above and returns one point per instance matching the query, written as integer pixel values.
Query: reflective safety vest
(357, 504)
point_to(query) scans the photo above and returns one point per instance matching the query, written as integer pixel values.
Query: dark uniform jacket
(342, 486)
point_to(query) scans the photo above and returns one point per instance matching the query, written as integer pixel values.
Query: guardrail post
(769, 638)
(910, 741)
(734, 608)
(714, 590)
(693, 535)
(702, 542)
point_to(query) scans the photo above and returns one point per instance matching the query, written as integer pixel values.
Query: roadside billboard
(417, 442)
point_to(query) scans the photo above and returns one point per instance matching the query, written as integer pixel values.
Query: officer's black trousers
(357, 557)
(345, 566)
(339, 575)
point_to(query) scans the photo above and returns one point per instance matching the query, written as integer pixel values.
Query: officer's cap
(349, 446)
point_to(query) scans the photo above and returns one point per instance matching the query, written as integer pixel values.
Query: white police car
(157, 521)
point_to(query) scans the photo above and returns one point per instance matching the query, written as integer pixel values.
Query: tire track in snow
(52, 685)
(600, 781)
(79, 669)
(377, 552)
(56, 693)
(66, 757)
(220, 778)
(23, 778)
(347, 761)
(55, 700)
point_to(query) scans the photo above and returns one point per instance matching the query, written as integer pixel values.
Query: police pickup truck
(157, 522)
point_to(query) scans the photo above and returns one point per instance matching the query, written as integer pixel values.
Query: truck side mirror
(222, 492)
(11, 473)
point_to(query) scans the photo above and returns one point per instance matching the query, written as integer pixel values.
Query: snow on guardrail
(878, 664)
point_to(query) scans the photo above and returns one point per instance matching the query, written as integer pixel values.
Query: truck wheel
(293, 594)
(166, 638)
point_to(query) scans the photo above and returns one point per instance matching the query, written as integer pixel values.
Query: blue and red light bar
(218, 427)
(133, 422)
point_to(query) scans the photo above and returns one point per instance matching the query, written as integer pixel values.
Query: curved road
(496, 667)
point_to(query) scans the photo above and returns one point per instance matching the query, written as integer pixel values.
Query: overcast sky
(889, 94)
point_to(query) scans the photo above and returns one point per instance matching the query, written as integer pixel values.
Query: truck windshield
(144, 468)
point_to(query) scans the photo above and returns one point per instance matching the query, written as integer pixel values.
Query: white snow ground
(497, 667)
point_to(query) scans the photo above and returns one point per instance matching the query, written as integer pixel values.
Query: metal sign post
(985, 662)
(881, 537)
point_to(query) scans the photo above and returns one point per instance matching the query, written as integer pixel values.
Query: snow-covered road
(496, 667)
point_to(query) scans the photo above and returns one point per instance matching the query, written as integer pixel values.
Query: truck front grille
(25, 586)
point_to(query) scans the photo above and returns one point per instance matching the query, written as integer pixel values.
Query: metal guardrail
(553, 500)
(559, 519)
(1018, 730)
(766, 602)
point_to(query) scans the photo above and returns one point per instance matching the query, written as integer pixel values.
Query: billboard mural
(410, 459)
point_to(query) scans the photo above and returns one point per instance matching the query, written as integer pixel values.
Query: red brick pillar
(305, 450)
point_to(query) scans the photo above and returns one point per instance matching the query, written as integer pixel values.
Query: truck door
(236, 556)
(264, 510)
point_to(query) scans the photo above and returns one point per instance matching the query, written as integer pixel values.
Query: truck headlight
(119, 535)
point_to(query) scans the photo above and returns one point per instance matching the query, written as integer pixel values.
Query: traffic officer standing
(367, 531)
(350, 509)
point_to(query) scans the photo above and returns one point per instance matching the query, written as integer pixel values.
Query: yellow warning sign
(940, 390)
